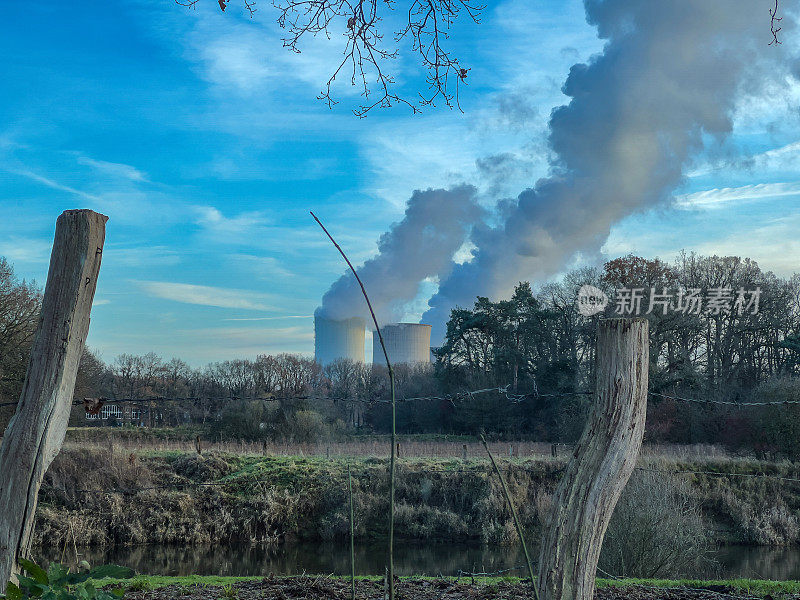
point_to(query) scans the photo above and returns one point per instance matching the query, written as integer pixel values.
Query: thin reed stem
(352, 538)
(513, 514)
(392, 459)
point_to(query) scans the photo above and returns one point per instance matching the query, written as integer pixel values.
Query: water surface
(756, 562)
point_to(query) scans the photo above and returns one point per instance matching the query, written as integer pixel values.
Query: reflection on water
(410, 559)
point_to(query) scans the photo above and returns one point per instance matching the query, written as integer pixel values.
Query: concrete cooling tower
(338, 339)
(405, 343)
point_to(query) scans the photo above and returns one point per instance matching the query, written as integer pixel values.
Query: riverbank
(113, 496)
(145, 587)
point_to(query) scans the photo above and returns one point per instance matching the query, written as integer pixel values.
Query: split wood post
(600, 466)
(36, 432)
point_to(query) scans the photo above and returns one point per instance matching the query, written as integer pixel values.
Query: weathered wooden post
(600, 466)
(36, 432)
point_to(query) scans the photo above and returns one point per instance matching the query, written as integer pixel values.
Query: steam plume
(670, 73)
(435, 225)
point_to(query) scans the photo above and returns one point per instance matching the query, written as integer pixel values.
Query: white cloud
(141, 256)
(719, 197)
(115, 170)
(238, 60)
(51, 183)
(205, 295)
(265, 267)
(25, 250)
(270, 318)
(215, 223)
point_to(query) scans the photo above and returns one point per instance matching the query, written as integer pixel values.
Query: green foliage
(59, 583)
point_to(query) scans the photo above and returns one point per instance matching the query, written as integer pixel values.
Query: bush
(656, 531)
(307, 426)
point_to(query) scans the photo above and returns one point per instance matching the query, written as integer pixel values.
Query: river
(755, 562)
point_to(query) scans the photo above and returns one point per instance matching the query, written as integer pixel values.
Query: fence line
(720, 474)
(335, 399)
(725, 402)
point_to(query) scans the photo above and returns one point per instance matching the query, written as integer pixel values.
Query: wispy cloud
(112, 169)
(216, 223)
(140, 256)
(269, 318)
(51, 183)
(205, 295)
(719, 197)
(262, 266)
(25, 250)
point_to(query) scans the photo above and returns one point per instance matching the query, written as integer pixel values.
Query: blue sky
(201, 138)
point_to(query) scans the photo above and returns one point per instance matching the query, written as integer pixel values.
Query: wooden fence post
(600, 466)
(36, 432)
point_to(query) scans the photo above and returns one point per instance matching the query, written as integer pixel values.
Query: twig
(773, 13)
(352, 538)
(394, 408)
(513, 514)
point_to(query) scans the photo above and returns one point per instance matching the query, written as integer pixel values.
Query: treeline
(736, 350)
(538, 343)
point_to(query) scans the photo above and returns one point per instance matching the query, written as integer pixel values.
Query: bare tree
(426, 28)
(20, 303)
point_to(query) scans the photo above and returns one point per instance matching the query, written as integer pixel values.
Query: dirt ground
(325, 588)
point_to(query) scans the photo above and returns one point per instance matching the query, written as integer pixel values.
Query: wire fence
(504, 391)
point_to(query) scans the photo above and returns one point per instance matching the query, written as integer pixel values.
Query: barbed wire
(719, 474)
(724, 402)
(452, 398)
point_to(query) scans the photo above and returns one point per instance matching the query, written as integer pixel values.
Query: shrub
(656, 531)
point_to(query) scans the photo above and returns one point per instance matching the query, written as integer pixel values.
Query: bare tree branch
(773, 25)
(365, 55)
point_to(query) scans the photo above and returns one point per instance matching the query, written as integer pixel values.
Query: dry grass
(370, 448)
(300, 490)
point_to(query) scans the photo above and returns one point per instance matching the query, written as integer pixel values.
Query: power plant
(338, 339)
(408, 343)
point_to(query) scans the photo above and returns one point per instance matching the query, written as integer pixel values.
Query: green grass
(753, 587)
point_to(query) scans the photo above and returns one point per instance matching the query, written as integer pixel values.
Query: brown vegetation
(219, 497)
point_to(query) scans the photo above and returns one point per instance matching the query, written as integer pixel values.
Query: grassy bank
(107, 495)
(749, 587)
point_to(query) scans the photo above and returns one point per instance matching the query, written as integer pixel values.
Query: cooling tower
(338, 339)
(405, 343)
